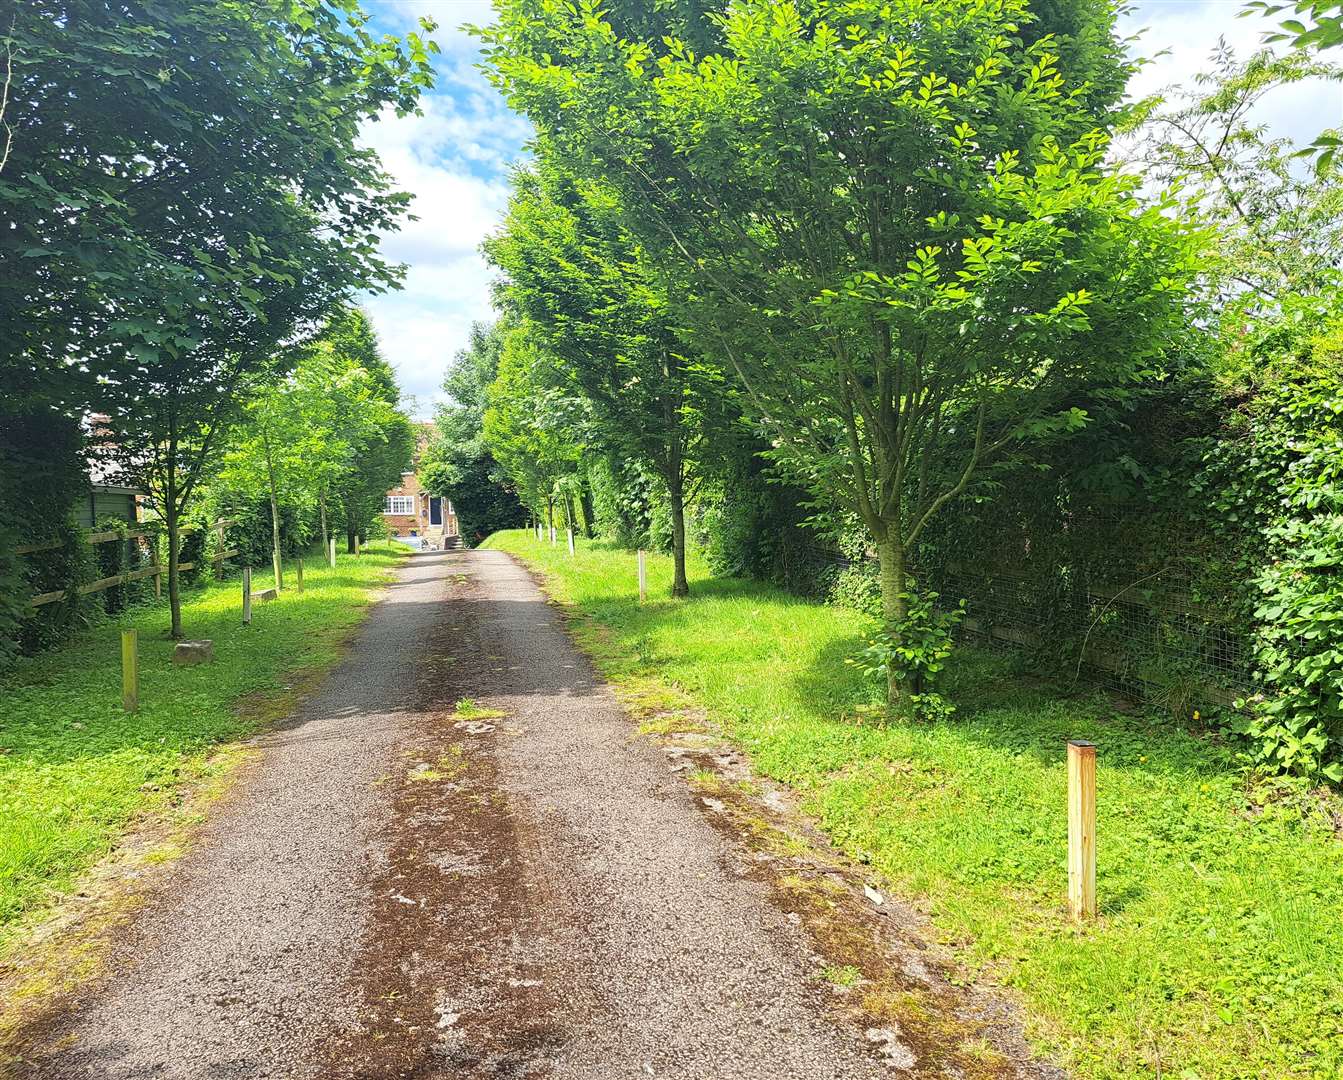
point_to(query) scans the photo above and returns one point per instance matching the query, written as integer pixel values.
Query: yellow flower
(1196, 716)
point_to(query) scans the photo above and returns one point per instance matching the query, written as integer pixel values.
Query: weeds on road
(75, 769)
(1219, 949)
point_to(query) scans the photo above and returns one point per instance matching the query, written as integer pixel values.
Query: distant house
(411, 513)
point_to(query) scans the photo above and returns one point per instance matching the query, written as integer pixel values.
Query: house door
(435, 510)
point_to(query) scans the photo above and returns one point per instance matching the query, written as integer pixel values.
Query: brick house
(412, 513)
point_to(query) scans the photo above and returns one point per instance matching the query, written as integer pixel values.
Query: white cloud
(1185, 33)
(454, 158)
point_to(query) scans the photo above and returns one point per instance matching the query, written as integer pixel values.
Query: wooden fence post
(130, 670)
(333, 552)
(247, 595)
(1082, 828)
(643, 577)
(571, 541)
(298, 574)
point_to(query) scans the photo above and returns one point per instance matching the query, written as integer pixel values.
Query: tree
(457, 463)
(892, 220)
(530, 427)
(584, 285)
(185, 194)
(1279, 228)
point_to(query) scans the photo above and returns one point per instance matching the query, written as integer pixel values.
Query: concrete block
(194, 652)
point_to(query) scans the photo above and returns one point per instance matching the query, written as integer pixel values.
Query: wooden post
(1082, 829)
(130, 670)
(333, 553)
(571, 541)
(298, 574)
(643, 577)
(247, 595)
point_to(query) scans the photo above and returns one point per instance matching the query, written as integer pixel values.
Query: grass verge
(76, 771)
(1218, 952)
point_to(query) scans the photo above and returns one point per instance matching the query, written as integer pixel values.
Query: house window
(399, 504)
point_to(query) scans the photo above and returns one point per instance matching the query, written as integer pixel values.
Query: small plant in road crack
(466, 709)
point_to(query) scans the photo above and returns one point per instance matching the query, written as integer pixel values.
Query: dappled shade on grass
(1219, 948)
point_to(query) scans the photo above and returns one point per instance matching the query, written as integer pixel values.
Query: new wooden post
(130, 670)
(333, 553)
(298, 574)
(246, 594)
(643, 577)
(1082, 829)
(571, 541)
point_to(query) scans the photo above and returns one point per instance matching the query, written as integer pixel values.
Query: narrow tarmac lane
(398, 889)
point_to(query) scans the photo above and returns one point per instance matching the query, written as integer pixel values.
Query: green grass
(75, 770)
(1218, 952)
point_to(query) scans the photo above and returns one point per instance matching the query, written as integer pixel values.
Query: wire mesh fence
(1113, 613)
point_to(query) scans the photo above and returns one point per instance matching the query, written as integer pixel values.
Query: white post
(571, 541)
(247, 594)
(333, 553)
(552, 532)
(643, 577)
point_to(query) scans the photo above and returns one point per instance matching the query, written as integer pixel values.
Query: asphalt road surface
(396, 889)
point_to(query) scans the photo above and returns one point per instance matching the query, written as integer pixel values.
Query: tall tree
(185, 194)
(458, 463)
(532, 428)
(585, 286)
(892, 220)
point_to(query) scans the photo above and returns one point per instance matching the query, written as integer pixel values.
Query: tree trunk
(894, 607)
(570, 522)
(676, 494)
(321, 513)
(174, 549)
(276, 561)
(585, 501)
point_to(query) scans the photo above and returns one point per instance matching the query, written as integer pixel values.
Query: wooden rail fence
(157, 571)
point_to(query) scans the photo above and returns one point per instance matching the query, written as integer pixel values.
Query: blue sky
(455, 159)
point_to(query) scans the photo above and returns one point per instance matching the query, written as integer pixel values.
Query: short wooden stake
(247, 595)
(1082, 829)
(333, 553)
(571, 541)
(298, 574)
(643, 577)
(130, 670)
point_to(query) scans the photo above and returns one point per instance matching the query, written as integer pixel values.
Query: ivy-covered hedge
(41, 477)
